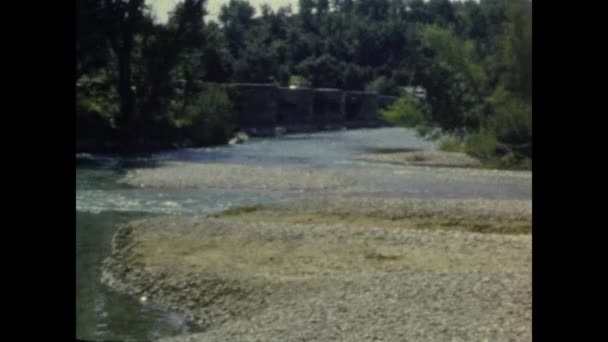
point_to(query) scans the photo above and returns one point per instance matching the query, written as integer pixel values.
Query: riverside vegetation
(472, 58)
(352, 250)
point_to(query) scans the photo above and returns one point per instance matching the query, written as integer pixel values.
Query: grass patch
(263, 260)
(476, 225)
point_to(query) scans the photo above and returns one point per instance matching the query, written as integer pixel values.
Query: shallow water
(102, 203)
(102, 314)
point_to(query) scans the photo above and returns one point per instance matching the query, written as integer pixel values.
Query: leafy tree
(517, 53)
(172, 52)
(121, 22)
(409, 111)
(511, 101)
(343, 6)
(258, 58)
(442, 12)
(236, 19)
(419, 12)
(92, 50)
(454, 80)
(382, 85)
(215, 55)
(323, 71)
(473, 58)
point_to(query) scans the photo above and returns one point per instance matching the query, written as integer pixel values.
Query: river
(102, 203)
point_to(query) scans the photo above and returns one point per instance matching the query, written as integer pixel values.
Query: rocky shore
(345, 268)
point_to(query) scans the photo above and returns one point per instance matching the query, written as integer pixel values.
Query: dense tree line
(473, 59)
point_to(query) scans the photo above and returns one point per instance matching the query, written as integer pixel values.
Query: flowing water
(102, 204)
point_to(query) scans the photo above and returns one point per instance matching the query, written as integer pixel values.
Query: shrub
(96, 96)
(482, 144)
(452, 144)
(408, 112)
(208, 118)
(382, 85)
(511, 117)
(96, 110)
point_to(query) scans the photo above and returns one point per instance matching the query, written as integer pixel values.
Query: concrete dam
(260, 108)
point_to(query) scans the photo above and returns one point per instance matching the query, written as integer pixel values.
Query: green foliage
(511, 117)
(96, 107)
(382, 85)
(516, 54)
(215, 60)
(96, 94)
(452, 144)
(482, 144)
(457, 80)
(257, 61)
(236, 18)
(298, 81)
(324, 71)
(92, 48)
(207, 119)
(489, 95)
(354, 76)
(472, 58)
(407, 111)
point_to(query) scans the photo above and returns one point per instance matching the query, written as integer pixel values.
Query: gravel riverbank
(424, 158)
(380, 179)
(337, 269)
(235, 176)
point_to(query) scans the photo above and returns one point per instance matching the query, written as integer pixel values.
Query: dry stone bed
(269, 274)
(235, 176)
(421, 181)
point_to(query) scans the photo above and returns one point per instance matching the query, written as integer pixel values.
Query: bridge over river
(262, 107)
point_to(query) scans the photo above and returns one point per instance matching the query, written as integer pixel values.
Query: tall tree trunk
(122, 42)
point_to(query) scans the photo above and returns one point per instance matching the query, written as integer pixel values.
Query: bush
(96, 110)
(208, 118)
(452, 144)
(408, 112)
(511, 117)
(482, 144)
(95, 95)
(383, 86)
